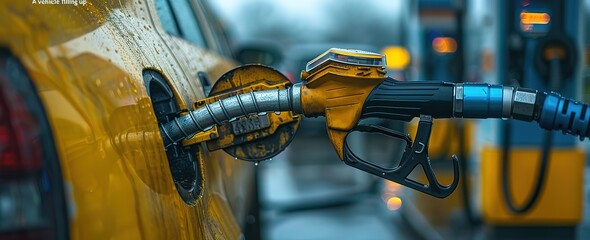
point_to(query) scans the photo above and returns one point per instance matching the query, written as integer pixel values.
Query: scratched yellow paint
(86, 62)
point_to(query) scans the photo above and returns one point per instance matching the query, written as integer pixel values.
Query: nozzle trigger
(414, 154)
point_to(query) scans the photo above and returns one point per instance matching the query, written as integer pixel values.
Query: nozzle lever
(415, 154)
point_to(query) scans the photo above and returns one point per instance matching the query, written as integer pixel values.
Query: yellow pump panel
(560, 202)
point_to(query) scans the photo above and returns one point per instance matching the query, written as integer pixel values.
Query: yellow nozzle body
(338, 91)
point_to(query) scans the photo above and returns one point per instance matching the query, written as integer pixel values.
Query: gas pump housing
(529, 33)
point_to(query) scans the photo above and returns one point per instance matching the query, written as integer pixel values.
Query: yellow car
(83, 87)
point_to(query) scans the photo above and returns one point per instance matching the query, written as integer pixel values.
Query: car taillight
(19, 143)
(32, 202)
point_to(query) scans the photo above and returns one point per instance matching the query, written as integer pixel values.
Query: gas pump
(527, 172)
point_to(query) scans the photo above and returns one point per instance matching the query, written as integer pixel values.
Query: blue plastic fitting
(481, 100)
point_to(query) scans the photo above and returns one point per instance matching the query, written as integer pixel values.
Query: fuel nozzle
(337, 81)
(348, 85)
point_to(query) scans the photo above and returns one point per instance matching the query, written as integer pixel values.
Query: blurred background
(311, 194)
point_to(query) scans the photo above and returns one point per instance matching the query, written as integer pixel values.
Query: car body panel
(86, 62)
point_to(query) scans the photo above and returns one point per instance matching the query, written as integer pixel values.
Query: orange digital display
(534, 18)
(444, 45)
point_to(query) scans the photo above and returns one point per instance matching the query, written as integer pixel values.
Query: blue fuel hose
(569, 116)
(551, 110)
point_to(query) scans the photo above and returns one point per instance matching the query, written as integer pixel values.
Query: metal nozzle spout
(275, 100)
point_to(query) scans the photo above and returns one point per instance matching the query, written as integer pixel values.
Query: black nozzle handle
(401, 100)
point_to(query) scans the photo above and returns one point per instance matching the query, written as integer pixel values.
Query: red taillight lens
(19, 146)
(32, 204)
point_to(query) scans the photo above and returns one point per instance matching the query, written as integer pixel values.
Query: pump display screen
(348, 56)
(533, 17)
